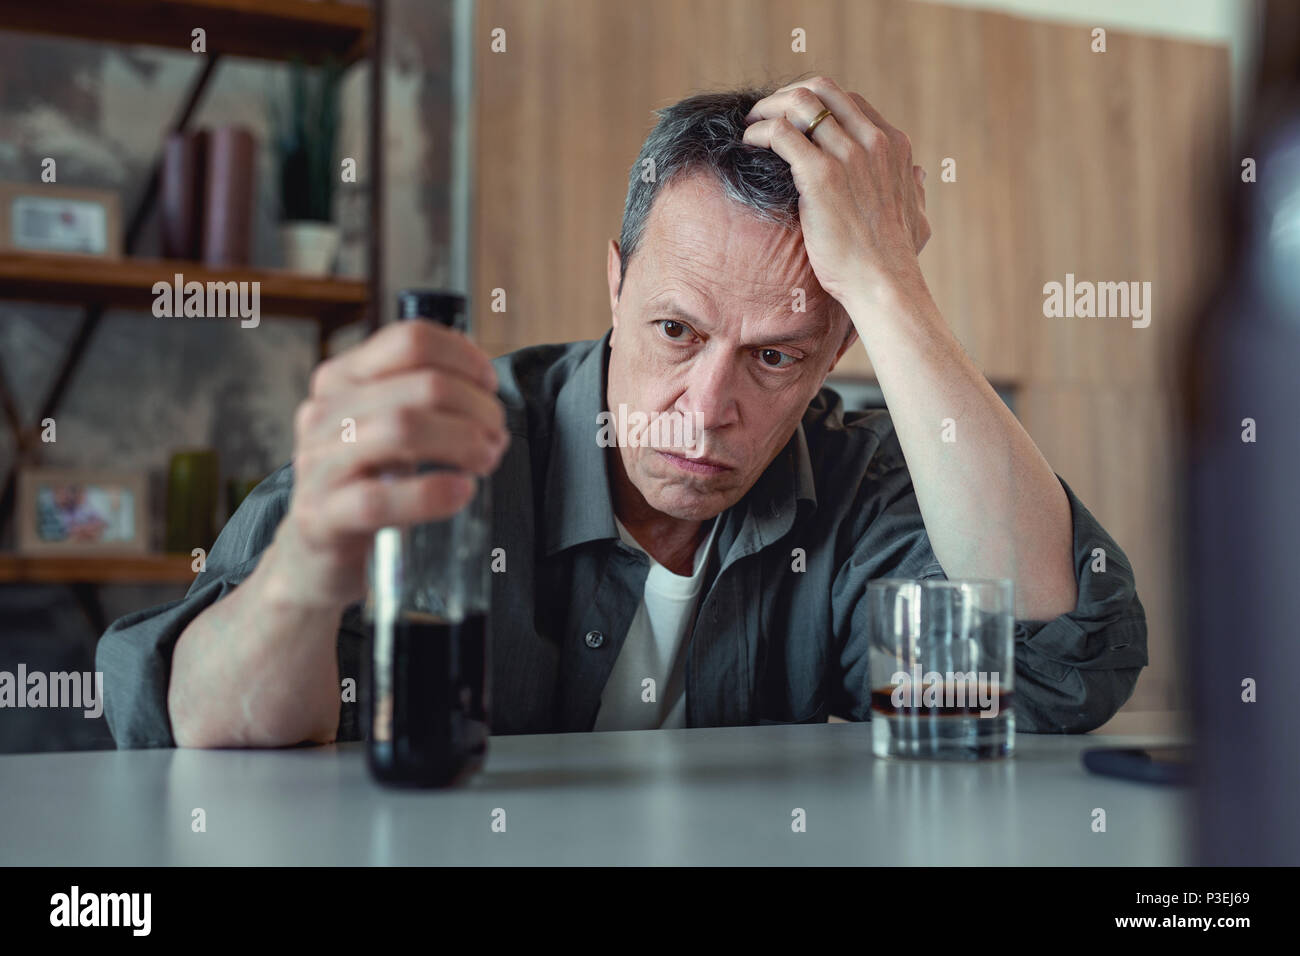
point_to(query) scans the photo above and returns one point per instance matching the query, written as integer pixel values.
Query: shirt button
(595, 638)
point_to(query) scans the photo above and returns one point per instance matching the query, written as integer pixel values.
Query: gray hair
(704, 133)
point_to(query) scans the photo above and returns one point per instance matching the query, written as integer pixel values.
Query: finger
(403, 346)
(318, 420)
(832, 138)
(828, 135)
(853, 112)
(801, 105)
(871, 112)
(366, 506)
(779, 135)
(397, 441)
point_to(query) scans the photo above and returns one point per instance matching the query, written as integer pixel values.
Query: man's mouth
(698, 465)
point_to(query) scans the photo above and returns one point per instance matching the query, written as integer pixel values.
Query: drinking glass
(942, 668)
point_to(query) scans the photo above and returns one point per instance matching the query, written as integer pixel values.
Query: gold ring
(816, 119)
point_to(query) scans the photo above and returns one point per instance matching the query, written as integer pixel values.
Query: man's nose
(711, 391)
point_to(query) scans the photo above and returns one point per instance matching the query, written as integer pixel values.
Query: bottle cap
(447, 308)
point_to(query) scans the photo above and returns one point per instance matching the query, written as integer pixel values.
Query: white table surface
(699, 796)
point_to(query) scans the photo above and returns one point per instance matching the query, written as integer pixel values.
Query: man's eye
(772, 358)
(674, 330)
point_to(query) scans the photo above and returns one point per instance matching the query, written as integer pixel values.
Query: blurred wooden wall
(1103, 165)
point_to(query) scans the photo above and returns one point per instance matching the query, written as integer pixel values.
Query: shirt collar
(578, 505)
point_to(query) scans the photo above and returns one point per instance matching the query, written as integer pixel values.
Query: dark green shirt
(770, 644)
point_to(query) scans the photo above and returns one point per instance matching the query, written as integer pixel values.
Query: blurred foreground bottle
(1243, 515)
(428, 694)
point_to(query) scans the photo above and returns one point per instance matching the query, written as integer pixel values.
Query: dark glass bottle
(1242, 515)
(429, 662)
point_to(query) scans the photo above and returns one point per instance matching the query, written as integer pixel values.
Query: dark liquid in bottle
(949, 705)
(428, 710)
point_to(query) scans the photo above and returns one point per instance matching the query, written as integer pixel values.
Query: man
(733, 573)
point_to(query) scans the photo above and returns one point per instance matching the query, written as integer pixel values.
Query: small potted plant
(307, 131)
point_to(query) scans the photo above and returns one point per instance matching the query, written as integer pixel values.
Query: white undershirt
(653, 648)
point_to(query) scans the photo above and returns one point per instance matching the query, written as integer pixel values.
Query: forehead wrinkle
(689, 261)
(727, 262)
(695, 216)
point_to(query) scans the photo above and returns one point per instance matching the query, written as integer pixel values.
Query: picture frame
(65, 220)
(81, 512)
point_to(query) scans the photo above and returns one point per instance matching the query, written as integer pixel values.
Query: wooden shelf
(266, 29)
(96, 569)
(128, 284)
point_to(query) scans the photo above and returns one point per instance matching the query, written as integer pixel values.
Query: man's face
(706, 328)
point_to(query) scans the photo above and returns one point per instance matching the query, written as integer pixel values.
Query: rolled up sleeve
(1073, 673)
(135, 653)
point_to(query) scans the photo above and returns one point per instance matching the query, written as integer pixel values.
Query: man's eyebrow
(671, 307)
(806, 337)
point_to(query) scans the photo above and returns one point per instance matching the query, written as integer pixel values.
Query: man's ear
(849, 339)
(613, 263)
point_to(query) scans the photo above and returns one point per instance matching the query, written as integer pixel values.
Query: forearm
(991, 503)
(255, 669)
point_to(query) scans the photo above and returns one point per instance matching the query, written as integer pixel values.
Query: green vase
(192, 500)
